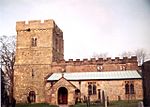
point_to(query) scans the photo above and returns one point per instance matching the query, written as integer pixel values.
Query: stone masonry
(33, 63)
(40, 52)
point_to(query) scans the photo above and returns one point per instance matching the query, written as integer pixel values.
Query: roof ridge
(128, 74)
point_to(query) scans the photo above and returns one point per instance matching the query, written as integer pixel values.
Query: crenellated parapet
(98, 61)
(36, 25)
(39, 39)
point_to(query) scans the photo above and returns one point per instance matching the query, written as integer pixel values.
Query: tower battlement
(36, 25)
(116, 60)
(36, 39)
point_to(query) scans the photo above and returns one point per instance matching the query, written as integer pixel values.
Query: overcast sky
(89, 26)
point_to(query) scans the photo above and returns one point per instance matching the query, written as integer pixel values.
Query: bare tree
(127, 54)
(100, 55)
(4, 95)
(141, 56)
(7, 55)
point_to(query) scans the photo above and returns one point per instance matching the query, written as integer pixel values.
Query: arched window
(90, 89)
(34, 41)
(127, 89)
(94, 89)
(99, 93)
(77, 91)
(57, 44)
(131, 89)
(32, 96)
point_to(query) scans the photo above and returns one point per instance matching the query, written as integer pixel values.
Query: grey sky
(89, 26)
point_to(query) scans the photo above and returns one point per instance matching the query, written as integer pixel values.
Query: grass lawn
(124, 103)
(35, 105)
(112, 104)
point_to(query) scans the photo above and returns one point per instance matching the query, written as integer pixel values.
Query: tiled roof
(109, 75)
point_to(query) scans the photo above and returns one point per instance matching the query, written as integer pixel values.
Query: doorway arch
(31, 97)
(62, 95)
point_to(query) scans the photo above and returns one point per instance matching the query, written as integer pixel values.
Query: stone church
(42, 75)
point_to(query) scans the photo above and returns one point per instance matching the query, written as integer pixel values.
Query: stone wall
(114, 89)
(49, 42)
(100, 64)
(34, 24)
(30, 78)
(52, 93)
(38, 45)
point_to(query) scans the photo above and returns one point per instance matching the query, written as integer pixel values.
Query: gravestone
(104, 98)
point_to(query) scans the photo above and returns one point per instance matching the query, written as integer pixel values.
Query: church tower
(38, 44)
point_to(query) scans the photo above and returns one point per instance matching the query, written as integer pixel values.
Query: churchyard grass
(133, 103)
(35, 105)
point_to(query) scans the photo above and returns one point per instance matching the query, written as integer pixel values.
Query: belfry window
(34, 42)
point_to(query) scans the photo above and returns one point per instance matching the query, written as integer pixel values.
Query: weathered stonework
(54, 92)
(86, 65)
(33, 63)
(40, 52)
(114, 90)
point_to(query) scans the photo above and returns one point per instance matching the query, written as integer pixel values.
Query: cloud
(88, 25)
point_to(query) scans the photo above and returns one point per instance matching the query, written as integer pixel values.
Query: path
(63, 105)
